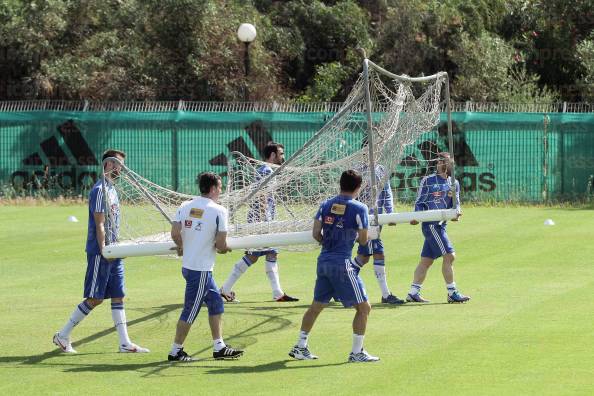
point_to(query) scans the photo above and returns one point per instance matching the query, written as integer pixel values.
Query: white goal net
(374, 132)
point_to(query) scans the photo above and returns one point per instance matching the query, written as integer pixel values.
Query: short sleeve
(222, 222)
(362, 217)
(263, 171)
(178, 215)
(96, 200)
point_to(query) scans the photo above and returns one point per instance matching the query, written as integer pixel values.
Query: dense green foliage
(501, 50)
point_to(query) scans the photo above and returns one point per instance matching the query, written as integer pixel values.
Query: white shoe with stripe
(362, 357)
(133, 348)
(301, 353)
(63, 343)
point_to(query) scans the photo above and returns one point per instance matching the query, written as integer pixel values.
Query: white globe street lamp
(246, 34)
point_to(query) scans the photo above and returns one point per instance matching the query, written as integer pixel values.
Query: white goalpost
(374, 132)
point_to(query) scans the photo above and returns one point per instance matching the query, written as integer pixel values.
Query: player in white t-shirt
(199, 231)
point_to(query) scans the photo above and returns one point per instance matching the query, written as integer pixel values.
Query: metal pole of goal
(370, 145)
(451, 140)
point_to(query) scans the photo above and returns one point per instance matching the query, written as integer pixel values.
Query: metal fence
(285, 107)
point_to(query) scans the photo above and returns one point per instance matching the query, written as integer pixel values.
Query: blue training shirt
(97, 205)
(257, 213)
(385, 200)
(341, 217)
(435, 192)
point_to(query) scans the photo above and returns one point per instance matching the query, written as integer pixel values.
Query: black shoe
(392, 299)
(227, 353)
(180, 357)
(286, 298)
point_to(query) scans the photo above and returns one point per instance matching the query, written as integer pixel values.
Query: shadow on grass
(35, 359)
(234, 367)
(267, 367)
(266, 322)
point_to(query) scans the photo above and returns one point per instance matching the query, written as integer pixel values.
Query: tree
(483, 66)
(585, 54)
(324, 34)
(548, 33)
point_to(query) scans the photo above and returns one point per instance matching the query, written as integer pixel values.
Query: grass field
(528, 330)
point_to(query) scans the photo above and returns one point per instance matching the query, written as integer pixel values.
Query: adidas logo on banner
(74, 154)
(259, 137)
(425, 152)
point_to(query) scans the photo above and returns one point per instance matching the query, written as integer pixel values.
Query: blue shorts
(436, 243)
(200, 288)
(260, 253)
(104, 278)
(339, 279)
(376, 246)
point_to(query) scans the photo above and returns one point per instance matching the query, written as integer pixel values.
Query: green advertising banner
(499, 156)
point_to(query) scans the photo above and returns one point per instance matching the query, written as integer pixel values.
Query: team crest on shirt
(328, 220)
(196, 213)
(450, 194)
(198, 226)
(188, 223)
(340, 224)
(338, 209)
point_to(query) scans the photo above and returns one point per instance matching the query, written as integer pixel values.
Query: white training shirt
(200, 220)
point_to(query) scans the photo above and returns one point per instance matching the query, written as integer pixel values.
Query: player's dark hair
(350, 180)
(271, 147)
(112, 153)
(206, 180)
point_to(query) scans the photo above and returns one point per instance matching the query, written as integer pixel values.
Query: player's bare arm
(221, 243)
(100, 229)
(317, 231)
(363, 237)
(177, 237)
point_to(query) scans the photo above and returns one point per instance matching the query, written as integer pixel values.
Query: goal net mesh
(285, 198)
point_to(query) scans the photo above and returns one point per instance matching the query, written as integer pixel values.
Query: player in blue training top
(435, 192)
(264, 210)
(104, 278)
(339, 222)
(385, 204)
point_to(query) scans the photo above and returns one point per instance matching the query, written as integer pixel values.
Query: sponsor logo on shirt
(338, 209)
(188, 223)
(196, 213)
(328, 220)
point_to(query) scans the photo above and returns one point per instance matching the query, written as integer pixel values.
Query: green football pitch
(529, 328)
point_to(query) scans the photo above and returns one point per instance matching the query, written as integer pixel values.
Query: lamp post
(246, 34)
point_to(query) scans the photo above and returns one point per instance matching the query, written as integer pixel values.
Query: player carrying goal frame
(390, 112)
(261, 210)
(436, 191)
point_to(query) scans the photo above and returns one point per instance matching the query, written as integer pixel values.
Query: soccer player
(104, 278)
(199, 231)
(435, 192)
(339, 222)
(262, 210)
(375, 248)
